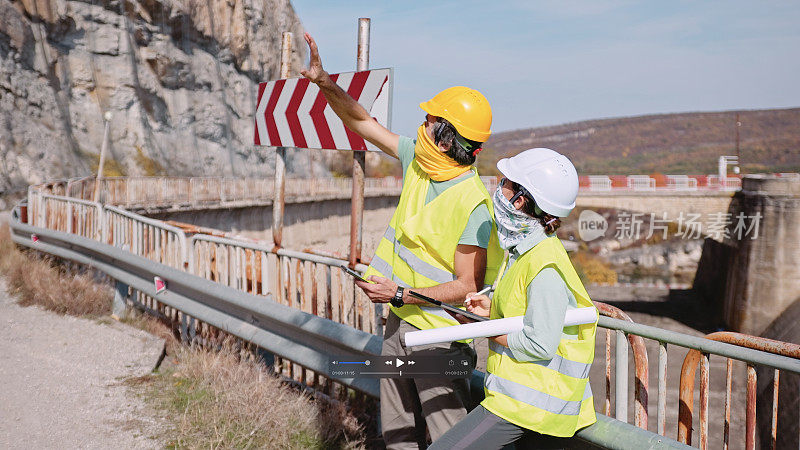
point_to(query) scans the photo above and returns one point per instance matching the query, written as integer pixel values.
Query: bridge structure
(301, 306)
(156, 194)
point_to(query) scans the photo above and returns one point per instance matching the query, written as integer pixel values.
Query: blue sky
(545, 63)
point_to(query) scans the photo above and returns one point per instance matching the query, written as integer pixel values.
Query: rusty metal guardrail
(621, 375)
(146, 237)
(689, 369)
(315, 284)
(81, 217)
(142, 236)
(301, 337)
(311, 283)
(750, 349)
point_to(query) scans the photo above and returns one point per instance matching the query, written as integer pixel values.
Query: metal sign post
(359, 157)
(280, 156)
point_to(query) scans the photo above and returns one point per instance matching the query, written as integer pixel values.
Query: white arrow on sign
(294, 113)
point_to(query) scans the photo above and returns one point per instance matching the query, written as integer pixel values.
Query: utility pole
(738, 154)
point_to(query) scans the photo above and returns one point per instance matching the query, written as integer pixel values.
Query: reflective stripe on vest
(415, 263)
(536, 398)
(381, 266)
(559, 364)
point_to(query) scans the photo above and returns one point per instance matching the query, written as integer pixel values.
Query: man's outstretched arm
(354, 116)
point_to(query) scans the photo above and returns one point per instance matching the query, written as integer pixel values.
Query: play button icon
(399, 363)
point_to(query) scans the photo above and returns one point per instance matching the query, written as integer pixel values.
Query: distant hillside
(663, 143)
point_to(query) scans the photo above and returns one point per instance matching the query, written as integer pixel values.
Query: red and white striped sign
(294, 113)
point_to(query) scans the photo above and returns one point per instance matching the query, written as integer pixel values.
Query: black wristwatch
(397, 300)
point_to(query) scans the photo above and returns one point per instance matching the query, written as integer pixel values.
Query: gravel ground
(60, 381)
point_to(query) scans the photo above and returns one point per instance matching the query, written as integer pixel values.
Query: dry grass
(219, 400)
(41, 281)
(592, 269)
(211, 399)
(154, 326)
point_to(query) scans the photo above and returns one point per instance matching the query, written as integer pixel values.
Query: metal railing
(316, 285)
(619, 184)
(182, 192)
(150, 238)
(310, 283)
(752, 350)
(194, 191)
(641, 371)
(641, 183)
(725, 184)
(681, 183)
(689, 369)
(599, 183)
(303, 338)
(70, 215)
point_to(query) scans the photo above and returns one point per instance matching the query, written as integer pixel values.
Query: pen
(481, 292)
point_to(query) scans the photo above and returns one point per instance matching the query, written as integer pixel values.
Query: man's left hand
(381, 290)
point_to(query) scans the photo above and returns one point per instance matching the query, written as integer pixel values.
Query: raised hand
(315, 73)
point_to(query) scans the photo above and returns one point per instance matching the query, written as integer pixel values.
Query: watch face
(397, 300)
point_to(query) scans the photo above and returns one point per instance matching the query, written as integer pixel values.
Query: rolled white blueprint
(496, 327)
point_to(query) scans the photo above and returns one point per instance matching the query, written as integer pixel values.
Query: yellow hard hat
(467, 109)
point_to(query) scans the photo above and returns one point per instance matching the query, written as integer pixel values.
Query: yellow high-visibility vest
(419, 246)
(551, 396)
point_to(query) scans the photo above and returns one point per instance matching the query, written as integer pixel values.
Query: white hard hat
(548, 175)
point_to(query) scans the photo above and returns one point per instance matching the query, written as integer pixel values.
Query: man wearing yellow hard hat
(441, 242)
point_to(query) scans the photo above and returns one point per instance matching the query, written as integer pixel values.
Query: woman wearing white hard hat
(537, 381)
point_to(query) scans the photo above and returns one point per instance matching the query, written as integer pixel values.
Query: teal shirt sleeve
(478, 229)
(405, 152)
(548, 299)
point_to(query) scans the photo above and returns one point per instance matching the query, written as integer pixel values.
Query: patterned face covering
(513, 225)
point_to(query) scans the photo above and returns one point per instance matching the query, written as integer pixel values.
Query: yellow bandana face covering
(436, 164)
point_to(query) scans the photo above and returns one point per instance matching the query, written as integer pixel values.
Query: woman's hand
(478, 304)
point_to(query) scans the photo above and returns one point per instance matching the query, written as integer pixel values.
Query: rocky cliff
(179, 78)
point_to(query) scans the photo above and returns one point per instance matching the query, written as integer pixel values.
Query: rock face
(179, 78)
(671, 257)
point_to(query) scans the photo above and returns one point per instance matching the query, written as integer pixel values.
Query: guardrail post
(69, 217)
(102, 226)
(621, 378)
(119, 309)
(42, 212)
(188, 329)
